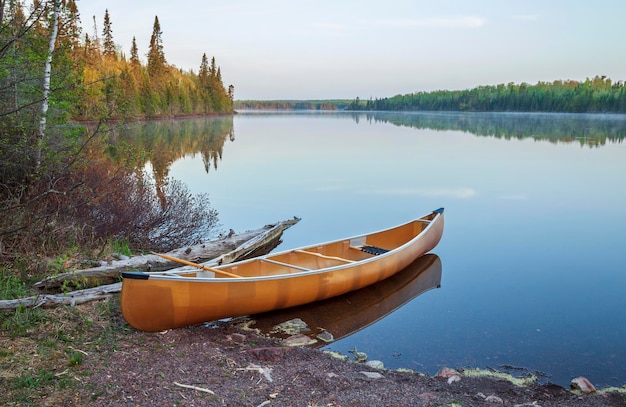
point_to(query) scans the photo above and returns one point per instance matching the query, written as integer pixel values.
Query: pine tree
(69, 26)
(203, 73)
(156, 57)
(134, 55)
(107, 34)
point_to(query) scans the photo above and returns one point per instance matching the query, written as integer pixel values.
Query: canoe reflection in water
(349, 313)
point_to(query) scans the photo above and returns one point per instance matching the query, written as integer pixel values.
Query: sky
(327, 49)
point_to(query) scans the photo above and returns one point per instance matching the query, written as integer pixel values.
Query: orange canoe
(166, 300)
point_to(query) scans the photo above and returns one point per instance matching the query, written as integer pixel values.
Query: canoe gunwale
(176, 277)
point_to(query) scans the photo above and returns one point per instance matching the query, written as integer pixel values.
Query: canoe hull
(156, 304)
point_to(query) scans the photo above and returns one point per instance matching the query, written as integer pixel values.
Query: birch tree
(56, 6)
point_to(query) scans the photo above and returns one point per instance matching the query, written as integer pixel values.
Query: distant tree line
(597, 95)
(290, 104)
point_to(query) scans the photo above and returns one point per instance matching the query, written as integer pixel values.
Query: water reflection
(162, 142)
(344, 315)
(591, 130)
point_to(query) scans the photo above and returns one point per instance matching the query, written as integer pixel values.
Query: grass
(12, 286)
(44, 351)
(121, 247)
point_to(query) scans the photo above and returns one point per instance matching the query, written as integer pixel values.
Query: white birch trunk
(46, 82)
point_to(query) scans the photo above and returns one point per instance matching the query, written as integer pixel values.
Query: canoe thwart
(280, 263)
(325, 257)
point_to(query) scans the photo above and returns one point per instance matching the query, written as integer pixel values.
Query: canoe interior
(321, 256)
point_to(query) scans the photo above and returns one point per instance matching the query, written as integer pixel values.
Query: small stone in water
(358, 356)
(291, 327)
(325, 336)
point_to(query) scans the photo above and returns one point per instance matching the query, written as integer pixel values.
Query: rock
(272, 354)
(454, 378)
(446, 372)
(375, 364)
(298, 340)
(372, 375)
(291, 327)
(494, 399)
(358, 356)
(335, 355)
(583, 385)
(325, 336)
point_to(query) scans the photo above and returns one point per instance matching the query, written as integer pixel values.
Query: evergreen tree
(69, 29)
(203, 73)
(134, 54)
(107, 35)
(156, 56)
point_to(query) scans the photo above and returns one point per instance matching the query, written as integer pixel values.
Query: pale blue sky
(323, 49)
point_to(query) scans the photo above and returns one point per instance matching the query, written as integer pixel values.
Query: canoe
(166, 300)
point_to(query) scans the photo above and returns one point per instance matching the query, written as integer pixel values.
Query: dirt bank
(227, 367)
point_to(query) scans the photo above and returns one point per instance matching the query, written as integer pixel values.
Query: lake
(531, 266)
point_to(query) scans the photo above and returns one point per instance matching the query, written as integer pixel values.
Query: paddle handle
(200, 266)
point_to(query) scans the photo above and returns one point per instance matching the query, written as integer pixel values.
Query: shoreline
(88, 355)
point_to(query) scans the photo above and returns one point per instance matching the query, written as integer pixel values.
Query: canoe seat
(373, 250)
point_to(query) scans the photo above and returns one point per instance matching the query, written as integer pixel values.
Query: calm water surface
(532, 261)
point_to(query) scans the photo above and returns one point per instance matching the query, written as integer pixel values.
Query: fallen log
(261, 241)
(72, 298)
(221, 251)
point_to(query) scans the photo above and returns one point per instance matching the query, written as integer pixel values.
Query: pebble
(291, 327)
(375, 364)
(298, 340)
(373, 375)
(494, 399)
(325, 336)
(491, 399)
(454, 378)
(446, 372)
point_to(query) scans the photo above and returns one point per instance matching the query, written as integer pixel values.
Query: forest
(597, 95)
(290, 104)
(63, 92)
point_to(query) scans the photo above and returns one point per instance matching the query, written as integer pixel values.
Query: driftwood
(71, 298)
(225, 250)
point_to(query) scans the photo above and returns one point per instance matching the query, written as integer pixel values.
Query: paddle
(200, 266)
